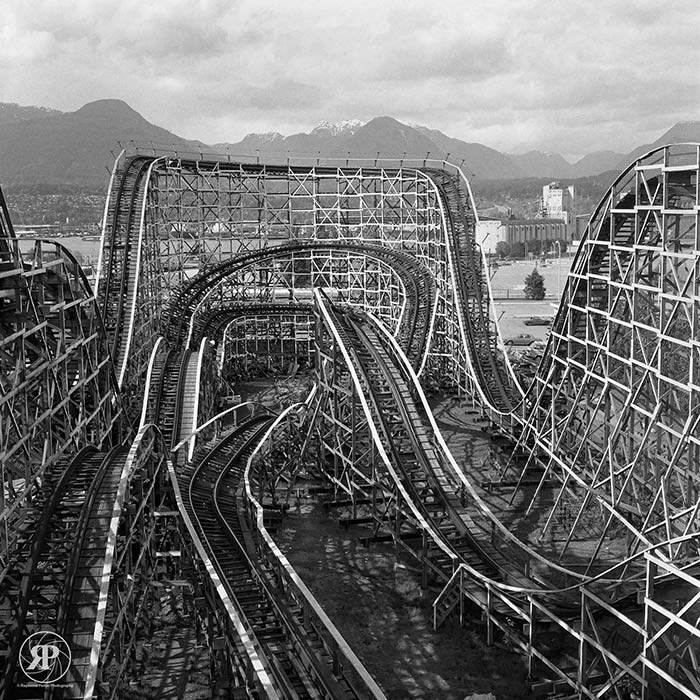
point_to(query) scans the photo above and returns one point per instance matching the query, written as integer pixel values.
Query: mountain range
(393, 138)
(45, 146)
(40, 146)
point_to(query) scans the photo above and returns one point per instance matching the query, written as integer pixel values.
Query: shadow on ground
(378, 608)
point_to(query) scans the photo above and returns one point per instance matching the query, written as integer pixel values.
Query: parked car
(522, 339)
(538, 321)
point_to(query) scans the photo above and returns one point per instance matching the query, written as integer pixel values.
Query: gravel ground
(377, 605)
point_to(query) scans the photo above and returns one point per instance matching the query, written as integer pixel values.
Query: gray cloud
(508, 74)
(283, 95)
(461, 59)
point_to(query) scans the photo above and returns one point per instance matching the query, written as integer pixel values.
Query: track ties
(293, 654)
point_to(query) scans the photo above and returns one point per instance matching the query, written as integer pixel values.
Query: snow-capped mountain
(41, 146)
(346, 127)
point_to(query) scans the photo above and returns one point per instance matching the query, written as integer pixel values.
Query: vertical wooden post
(530, 636)
(648, 632)
(582, 649)
(489, 621)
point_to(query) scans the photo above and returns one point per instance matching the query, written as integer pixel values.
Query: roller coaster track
(564, 433)
(294, 647)
(419, 285)
(123, 251)
(293, 654)
(213, 323)
(165, 401)
(59, 590)
(489, 364)
(160, 363)
(427, 478)
(496, 579)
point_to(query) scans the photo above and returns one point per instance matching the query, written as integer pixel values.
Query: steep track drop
(121, 248)
(166, 393)
(472, 295)
(423, 470)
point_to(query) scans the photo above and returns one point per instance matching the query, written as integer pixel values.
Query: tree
(534, 285)
(517, 249)
(502, 249)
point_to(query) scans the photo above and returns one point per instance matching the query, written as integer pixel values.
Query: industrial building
(490, 232)
(558, 201)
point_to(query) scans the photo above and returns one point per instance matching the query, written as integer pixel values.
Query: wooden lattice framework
(58, 390)
(199, 212)
(611, 419)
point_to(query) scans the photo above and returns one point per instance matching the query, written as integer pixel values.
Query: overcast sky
(511, 74)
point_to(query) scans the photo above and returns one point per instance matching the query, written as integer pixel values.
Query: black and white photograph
(349, 350)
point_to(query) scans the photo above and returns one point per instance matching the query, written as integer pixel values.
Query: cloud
(459, 59)
(507, 73)
(17, 46)
(283, 95)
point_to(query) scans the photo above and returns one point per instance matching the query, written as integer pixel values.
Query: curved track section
(612, 415)
(57, 383)
(59, 590)
(419, 457)
(213, 324)
(613, 411)
(418, 283)
(288, 649)
(507, 582)
(433, 490)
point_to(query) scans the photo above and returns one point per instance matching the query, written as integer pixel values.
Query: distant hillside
(596, 163)
(522, 195)
(11, 113)
(384, 135)
(480, 161)
(539, 164)
(44, 146)
(73, 147)
(387, 136)
(679, 133)
(393, 138)
(326, 137)
(554, 165)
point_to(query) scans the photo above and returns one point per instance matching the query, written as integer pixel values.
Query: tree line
(522, 249)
